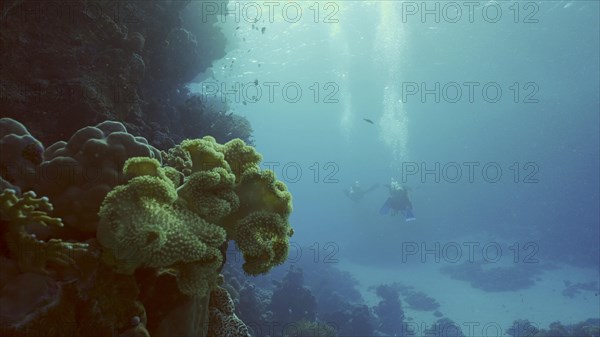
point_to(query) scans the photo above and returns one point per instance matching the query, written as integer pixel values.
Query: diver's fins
(385, 209)
(409, 216)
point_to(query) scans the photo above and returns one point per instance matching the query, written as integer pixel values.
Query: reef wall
(70, 64)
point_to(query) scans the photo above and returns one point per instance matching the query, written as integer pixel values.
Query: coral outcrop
(221, 310)
(136, 248)
(31, 254)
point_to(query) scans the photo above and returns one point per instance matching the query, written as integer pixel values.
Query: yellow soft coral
(210, 194)
(256, 196)
(205, 154)
(32, 254)
(143, 224)
(178, 159)
(263, 237)
(260, 191)
(177, 223)
(241, 157)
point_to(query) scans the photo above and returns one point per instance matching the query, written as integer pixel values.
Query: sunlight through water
(390, 43)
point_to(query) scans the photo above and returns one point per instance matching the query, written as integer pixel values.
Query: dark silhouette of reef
(205, 116)
(523, 327)
(320, 293)
(292, 301)
(417, 300)
(269, 308)
(495, 279)
(389, 311)
(573, 289)
(70, 64)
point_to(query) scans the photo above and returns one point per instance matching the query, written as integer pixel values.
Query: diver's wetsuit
(398, 201)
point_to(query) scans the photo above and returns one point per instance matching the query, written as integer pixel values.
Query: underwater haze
(488, 116)
(296, 168)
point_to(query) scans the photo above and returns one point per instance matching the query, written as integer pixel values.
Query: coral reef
(20, 154)
(143, 225)
(420, 301)
(351, 320)
(78, 174)
(523, 327)
(263, 304)
(291, 301)
(84, 62)
(417, 300)
(444, 327)
(31, 254)
(573, 289)
(206, 116)
(308, 329)
(137, 248)
(389, 310)
(224, 320)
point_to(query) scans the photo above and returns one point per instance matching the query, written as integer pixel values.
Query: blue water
(541, 131)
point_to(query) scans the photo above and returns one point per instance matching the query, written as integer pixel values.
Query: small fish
(256, 81)
(368, 121)
(263, 30)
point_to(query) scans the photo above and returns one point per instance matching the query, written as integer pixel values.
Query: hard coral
(82, 171)
(32, 254)
(223, 320)
(20, 153)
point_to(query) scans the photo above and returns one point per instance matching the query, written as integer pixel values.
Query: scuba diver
(356, 193)
(398, 201)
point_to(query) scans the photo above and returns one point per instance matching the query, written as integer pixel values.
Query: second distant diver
(398, 201)
(356, 193)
